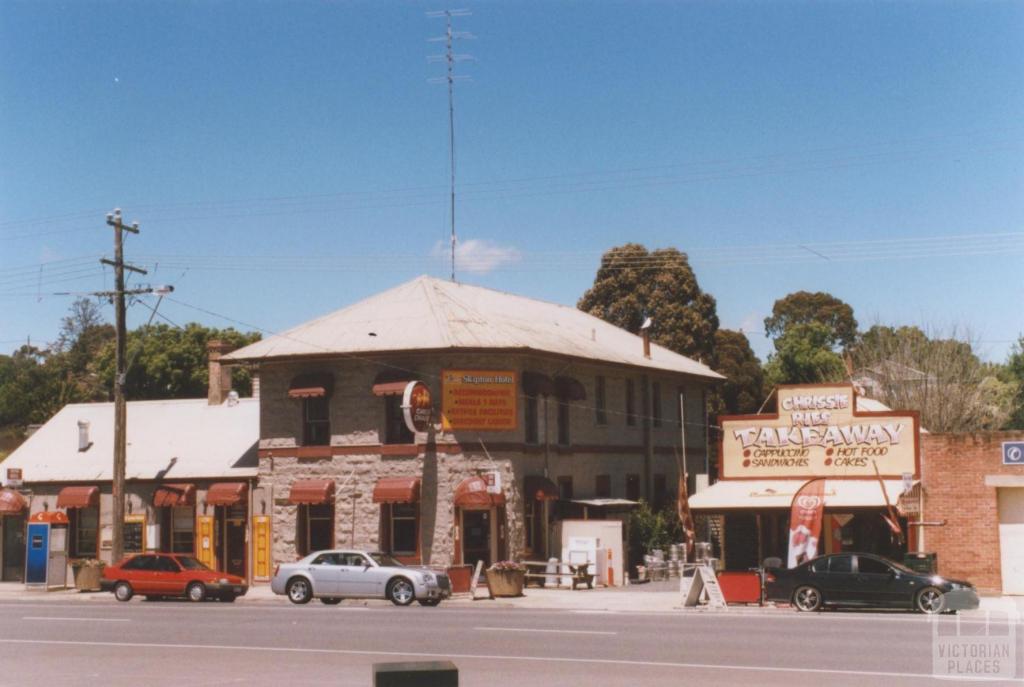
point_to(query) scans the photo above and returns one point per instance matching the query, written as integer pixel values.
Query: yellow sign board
(479, 399)
(261, 546)
(818, 432)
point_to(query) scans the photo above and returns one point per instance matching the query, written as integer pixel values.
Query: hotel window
(316, 421)
(530, 410)
(401, 529)
(395, 430)
(565, 487)
(563, 423)
(633, 487)
(630, 404)
(84, 526)
(603, 486)
(315, 525)
(602, 414)
(656, 404)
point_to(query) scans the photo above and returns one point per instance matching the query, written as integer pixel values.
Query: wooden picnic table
(537, 571)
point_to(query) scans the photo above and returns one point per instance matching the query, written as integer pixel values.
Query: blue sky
(287, 158)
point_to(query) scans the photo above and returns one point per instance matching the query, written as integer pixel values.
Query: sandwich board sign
(705, 582)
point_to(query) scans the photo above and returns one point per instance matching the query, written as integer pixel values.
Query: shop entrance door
(13, 550)
(476, 537)
(232, 552)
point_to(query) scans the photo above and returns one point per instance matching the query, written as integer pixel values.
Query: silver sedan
(347, 574)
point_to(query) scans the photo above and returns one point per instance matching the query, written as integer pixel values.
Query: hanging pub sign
(818, 432)
(493, 480)
(417, 407)
(479, 399)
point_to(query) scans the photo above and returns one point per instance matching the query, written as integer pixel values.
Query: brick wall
(954, 467)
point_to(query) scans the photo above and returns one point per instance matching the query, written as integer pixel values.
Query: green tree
(940, 376)
(169, 362)
(803, 355)
(29, 389)
(633, 283)
(743, 390)
(804, 307)
(1013, 374)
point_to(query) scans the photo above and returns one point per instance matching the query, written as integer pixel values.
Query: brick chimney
(646, 333)
(220, 375)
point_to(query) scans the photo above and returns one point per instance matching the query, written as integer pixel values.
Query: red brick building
(981, 499)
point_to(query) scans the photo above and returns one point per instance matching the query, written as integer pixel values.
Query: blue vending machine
(46, 555)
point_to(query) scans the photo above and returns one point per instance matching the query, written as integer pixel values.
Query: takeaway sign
(818, 432)
(479, 399)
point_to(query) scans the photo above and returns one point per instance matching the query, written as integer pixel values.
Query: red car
(156, 575)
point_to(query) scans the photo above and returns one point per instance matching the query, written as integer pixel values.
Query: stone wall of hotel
(357, 419)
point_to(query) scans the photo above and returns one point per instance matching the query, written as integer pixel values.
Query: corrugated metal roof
(173, 440)
(430, 314)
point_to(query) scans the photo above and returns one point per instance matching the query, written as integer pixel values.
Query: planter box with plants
(506, 578)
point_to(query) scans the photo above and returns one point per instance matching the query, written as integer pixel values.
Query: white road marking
(532, 630)
(91, 620)
(481, 657)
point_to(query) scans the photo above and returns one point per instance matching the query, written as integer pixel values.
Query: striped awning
(226, 493)
(171, 495)
(311, 491)
(311, 385)
(397, 490)
(78, 497)
(389, 388)
(11, 502)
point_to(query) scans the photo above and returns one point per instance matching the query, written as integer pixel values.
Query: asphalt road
(198, 645)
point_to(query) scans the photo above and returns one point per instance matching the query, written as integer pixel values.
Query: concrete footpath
(660, 598)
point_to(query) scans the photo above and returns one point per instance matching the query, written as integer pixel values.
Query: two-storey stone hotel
(534, 407)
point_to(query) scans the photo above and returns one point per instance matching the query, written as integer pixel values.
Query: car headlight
(429, 578)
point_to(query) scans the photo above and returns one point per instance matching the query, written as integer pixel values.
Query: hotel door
(476, 537)
(13, 548)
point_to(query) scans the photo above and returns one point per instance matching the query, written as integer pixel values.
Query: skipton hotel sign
(818, 432)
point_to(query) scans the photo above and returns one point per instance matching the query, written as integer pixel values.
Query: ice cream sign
(819, 432)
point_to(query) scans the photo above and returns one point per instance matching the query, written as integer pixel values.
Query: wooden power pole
(120, 409)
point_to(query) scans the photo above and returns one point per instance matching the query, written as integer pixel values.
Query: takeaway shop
(867, 454)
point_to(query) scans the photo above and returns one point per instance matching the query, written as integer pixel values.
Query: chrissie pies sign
(818, 433)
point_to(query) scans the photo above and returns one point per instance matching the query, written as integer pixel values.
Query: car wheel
(196, 591)
(330, 600)
(299, 591)
(429, 602)
(930, 600)
(123, 591)
(401, 592)
(807, 599)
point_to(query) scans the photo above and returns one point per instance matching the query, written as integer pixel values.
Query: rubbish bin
(922, 562)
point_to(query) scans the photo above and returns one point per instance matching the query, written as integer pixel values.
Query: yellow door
(204, 541)
(261, 547)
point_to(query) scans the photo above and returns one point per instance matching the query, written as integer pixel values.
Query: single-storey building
(191, 471)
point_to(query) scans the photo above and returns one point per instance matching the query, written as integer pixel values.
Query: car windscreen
(190, 563)
(385, 559)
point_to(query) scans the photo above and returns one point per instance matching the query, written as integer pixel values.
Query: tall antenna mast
(451, 57)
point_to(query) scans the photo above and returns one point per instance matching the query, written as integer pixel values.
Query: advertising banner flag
(805, 522)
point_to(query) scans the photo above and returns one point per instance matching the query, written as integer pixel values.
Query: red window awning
(397, 490)
(311, 385)
(226, 493)
(78, 497)
(389, 388)
(170, 495)
(472, 493)
(540, 488)
(312, 491)
(11, 502)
